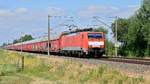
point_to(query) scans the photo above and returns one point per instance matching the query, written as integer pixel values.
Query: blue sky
(30, 16)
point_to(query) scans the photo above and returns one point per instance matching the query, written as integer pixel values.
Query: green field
(53, 70)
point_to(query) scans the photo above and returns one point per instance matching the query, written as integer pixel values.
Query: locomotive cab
(96, 43)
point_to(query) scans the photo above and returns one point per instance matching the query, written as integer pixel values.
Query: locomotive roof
(76, 31)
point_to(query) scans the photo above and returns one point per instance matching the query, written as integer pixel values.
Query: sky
(18, 17)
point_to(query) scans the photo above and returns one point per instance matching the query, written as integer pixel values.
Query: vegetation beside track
(53, 70)
(134, 32)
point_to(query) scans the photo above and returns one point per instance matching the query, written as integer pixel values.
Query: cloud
(127, 12)
(108, 11)
(94, 10)
(21, 10)
(133, 6)
(4, 12)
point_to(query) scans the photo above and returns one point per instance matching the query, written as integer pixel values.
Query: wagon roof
(42, 39)
(33, 41)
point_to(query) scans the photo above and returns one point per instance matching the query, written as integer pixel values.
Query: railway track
(128, 60)
(132, 58)
(139, 61)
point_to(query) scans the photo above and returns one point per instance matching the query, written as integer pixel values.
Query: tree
(135, 38)
(101, 29)
(109, 48)
(122, 29)
(15, 41)
(134, 32)
(4, 44)
(23, 39)
(144, 16)
(144, 12)
(26, 38)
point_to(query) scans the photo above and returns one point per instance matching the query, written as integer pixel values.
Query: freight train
(82, 43)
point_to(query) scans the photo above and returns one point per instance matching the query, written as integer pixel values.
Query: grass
(8, 69)
(58, 71)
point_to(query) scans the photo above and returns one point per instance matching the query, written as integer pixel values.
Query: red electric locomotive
(83, 43)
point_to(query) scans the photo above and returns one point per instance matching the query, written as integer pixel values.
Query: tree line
(24, 38)
(134, 32)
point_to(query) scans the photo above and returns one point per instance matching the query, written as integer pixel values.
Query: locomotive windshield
(95, 35)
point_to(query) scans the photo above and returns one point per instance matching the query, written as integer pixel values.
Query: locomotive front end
(96, 43)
